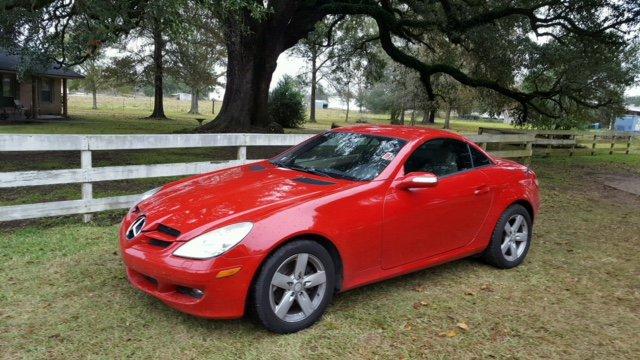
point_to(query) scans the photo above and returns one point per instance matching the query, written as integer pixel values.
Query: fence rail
(87, 174)
(571, 141)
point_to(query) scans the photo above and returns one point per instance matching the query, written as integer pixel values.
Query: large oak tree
(525, 50)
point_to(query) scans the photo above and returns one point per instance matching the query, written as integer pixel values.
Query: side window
(479, 159)
(440, 157)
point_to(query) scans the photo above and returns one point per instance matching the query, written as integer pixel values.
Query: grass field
(126, 115)
(63, 293)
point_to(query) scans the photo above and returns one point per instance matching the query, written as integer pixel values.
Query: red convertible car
(346, 208)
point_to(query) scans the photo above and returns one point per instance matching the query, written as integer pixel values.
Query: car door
(421, 223)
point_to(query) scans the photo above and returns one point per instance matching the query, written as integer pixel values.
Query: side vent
(169, 231)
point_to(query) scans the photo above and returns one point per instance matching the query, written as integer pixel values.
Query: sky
(293, 65)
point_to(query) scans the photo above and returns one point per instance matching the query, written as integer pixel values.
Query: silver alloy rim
(297, 287)
(516, 235)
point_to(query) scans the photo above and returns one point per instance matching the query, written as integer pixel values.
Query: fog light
(197, 293)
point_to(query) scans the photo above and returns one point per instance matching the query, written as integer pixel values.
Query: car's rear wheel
(511, 238)
(294, 287)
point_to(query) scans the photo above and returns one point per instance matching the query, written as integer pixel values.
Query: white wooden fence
(87, 174)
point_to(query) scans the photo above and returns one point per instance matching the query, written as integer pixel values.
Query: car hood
(197, 204)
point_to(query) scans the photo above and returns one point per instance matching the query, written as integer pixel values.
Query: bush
(287, 103)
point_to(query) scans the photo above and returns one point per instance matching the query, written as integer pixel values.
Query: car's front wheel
(511, 238)
(294, 287)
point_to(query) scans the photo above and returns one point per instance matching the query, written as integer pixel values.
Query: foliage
(287, 103)
(196, 52)
(548, 59)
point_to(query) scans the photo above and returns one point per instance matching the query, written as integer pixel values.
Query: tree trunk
(401, 121)
(194, 102)
(432, 116)
(314, 85)
(253, 46)
(447, 117)
(158, 49)
(94, 94)
(425, 115)
(346, 118)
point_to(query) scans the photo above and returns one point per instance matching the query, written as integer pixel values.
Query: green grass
(124, 115)
(63, 293)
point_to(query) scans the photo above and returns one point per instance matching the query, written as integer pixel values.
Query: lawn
(126, 115)
(63, 293)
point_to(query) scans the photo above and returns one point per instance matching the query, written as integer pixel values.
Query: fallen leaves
(487, 288)
(420, 304)
(449, 334)
(455, 332)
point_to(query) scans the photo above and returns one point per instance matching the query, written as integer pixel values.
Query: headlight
(149, 194)
(214, 242)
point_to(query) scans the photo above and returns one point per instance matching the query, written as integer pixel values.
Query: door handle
(481, 190)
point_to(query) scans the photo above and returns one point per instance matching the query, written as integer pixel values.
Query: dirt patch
(628, 183)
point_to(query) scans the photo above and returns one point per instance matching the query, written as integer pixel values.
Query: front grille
(160, 243)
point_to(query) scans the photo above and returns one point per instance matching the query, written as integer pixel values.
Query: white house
(182, 96)
(322, 104)
(630, 121)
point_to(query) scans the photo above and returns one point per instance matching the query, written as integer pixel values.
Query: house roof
(10, 63)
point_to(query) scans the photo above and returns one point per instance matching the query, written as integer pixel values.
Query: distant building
(630, 121)
(50, 86)
(322, 104)
(182, 96)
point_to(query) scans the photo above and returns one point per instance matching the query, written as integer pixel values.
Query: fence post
(628, 145)
(484, 146)
(529, 147)
(573, 145)
(87, 187)
(593, 145)
(242, 150)
(613, 144)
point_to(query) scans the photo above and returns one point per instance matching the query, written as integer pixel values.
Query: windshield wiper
(309, 170)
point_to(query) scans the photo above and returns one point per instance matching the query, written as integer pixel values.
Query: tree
(159, 19)
(335, 40)
(94, 77)
(521, 49)
(196, 52)
(286, 103)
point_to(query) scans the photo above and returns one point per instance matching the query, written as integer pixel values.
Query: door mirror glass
(416, 180)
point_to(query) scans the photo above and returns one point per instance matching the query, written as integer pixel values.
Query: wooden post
(87, 188)
(64, 98)
(613, 143)
(628, 145)
(529, 147)
(593, 145)
(573, 146)
(484, 146)
(213, 106)
(242, 154)
(34, 97)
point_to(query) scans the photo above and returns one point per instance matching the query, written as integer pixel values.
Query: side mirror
(417, 180)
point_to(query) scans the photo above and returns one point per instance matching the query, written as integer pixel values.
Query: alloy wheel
(297, 287)
(515, 237)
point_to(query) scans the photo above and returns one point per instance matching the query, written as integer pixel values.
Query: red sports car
(346, 208)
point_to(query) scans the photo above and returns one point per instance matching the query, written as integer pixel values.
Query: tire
(286, 302)
(507, 250)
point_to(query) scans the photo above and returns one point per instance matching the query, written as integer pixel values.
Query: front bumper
(172, 279)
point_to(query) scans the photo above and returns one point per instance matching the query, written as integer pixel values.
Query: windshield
(343, 155)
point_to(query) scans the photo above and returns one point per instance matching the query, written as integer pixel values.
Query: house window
(7, 91)
(46, 93)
